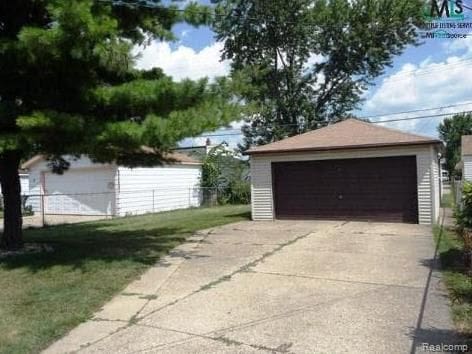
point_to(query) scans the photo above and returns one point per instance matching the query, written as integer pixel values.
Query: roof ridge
(393, 129)
(348, 133)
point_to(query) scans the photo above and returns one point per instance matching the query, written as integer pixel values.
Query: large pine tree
(68, 86)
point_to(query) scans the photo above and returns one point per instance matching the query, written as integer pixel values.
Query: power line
(421, 72)
(417, 72)
(211, 11)
(422, 117)
(391, 114)
(416, 110)
(374, 122)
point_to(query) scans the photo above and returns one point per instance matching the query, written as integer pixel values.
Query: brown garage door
(381, 189)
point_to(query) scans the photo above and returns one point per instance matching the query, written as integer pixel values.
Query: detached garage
(352, 170)
(89, 188)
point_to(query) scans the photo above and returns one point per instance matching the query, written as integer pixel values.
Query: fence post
(189, 197)
(42, 210)
(153, 209)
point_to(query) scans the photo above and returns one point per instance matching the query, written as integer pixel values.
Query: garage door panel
(363, 189)
(79, 192)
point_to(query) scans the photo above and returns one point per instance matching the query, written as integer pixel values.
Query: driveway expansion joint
(277, 328)
(224, 331)
(135, 318)
(283, 348)
(227, 277)
(338, 280)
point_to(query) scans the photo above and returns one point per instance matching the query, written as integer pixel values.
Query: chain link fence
(62, 208)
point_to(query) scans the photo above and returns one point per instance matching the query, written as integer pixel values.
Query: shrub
(237, 192)
(225, 178)
(464, 221)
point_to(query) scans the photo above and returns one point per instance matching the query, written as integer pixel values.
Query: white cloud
(460, 45)
(430, 84)
(183, 62)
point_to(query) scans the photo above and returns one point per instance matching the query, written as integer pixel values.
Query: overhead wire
(235, 132)
(391, 78)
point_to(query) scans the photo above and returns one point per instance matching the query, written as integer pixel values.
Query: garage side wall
(153, 189)
(467, 168)
(261, 177)
(436, 187)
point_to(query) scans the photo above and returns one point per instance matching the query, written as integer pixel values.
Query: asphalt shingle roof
(347, 134)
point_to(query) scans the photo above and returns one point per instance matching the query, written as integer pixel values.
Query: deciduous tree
(303, 63)
(451, 131)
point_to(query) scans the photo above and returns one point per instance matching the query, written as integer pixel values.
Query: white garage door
(80, 192)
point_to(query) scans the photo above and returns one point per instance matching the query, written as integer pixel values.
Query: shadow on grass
(134, 239)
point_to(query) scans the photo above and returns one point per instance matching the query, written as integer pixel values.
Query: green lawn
(43, 296)
(458, 282)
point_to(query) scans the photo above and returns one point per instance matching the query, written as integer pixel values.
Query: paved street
(283, 287)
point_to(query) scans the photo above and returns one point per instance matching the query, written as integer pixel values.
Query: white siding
(73, 192)
(261, 189)
(90, 188)
(143, 190)
(425, 187)
(261, 176)
(467, 169)
(436, 187)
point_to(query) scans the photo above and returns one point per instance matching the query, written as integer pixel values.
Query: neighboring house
(89, 188)
(444, 173)
(351, 170)
(466, 158)
(24, 182)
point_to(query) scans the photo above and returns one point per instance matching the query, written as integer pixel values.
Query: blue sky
(437, 73)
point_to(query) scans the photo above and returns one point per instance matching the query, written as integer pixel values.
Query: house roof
(173, 157)
(466, 145)
(347, 134)
(177, 157)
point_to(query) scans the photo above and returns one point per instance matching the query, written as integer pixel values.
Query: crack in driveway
(135, 319)
(227, 277)
(261, 320)
(294, 315)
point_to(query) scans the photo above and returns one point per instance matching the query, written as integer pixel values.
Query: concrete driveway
(280, 287)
